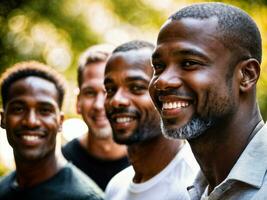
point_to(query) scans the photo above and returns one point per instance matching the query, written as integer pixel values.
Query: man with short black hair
(161, 168)
(32, 96)
(208, 60)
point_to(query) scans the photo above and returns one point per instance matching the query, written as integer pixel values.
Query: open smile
(175, 105)
(172, 106)
(30, 138)
(123, 121)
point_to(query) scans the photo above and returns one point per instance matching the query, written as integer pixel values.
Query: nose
(31, 119)
(120, 99)
(170, 78)
(99, 101)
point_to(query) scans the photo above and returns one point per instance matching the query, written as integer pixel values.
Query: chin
(192, 130)
(103, 133)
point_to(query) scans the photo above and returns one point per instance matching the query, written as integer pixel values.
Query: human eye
(158, 67)
(110, 90)
(46, 110)
(190, 64)
(89, 92)
(138, 88)
(16, 109)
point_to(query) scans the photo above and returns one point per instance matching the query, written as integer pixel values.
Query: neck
(223, 146)
(154, 154)
(104, 148)
(34, 172)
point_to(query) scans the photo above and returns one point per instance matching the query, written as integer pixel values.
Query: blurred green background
(57, 31)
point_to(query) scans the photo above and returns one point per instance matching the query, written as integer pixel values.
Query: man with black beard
(161, 168)
(206, 66)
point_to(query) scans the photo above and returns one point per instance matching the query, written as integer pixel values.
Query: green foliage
(39, 29)
(137, 13)
(3, 170)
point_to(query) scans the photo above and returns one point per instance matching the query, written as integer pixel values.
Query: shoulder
(78, 182)
(183, 168)
(120, 180)
(71, 144)
(8, 178)
(71, 149)
(186, 157)
(6, 183)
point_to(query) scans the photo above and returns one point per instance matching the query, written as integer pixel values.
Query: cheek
(204, 83)
(207, 88)
(86, 105)
(202, 80)
(107, 104)
(12, 121)
(52, 122)
(151, 88)
(146, 103)
(151, 85)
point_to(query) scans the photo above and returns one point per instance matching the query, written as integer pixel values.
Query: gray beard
(103, 133)
(191, 130)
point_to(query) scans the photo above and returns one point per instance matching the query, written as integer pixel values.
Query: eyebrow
(188, 51)
(128, 79)
(191, 52)
(43, 103)
(136, 78)
(14, 102)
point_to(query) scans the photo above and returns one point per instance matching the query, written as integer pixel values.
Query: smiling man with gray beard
(206, 67)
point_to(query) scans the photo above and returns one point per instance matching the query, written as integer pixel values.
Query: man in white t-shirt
(161, 168)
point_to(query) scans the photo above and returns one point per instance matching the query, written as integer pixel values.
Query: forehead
(199, 34)
(93, 75)
(130, 62)
(34, 89)
(94, 70)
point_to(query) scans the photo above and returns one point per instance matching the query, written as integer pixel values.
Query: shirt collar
(200, 183)
(251, 166)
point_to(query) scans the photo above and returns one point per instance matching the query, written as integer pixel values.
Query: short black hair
(133, 45)
(94, 54)
(236, 29)
(31, 68)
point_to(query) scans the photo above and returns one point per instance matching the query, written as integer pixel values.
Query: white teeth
(30, 137)
(176, 104)
(123, 119)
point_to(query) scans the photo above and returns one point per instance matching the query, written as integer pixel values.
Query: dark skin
(32, 118)
(127, 78)
(190, 59)
(159, 150)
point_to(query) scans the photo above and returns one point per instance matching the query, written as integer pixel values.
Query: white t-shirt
(169, 184)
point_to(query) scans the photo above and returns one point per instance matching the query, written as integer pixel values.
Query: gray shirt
(246, 180)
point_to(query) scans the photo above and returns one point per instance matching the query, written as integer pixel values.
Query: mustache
(175, 92)
(20, 131)
(122, 110)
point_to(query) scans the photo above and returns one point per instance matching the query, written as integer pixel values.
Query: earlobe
(78, 107)
(250, 72)
(3, 124)
(61, 121)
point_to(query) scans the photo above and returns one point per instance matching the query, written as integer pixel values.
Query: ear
(78, 105)
(61, 120)
(3, 123)
(249, 74)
